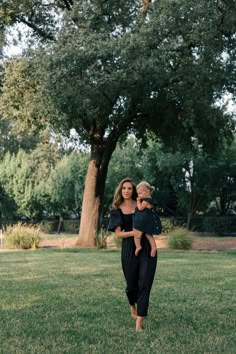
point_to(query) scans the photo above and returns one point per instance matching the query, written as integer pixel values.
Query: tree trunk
(59, 224)
(90, 208)
(94, 191)
(189, 219)
(0, 215)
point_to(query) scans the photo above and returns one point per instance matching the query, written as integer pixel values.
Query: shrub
(180, 239)
(71, 226)
(48, 227)
(117, 241)
(168, 225)
(101, 238)
(21, 236)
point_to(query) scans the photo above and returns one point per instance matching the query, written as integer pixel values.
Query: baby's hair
(145, 185)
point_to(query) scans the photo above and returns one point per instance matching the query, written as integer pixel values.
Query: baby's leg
(152, 244)
(137, 241)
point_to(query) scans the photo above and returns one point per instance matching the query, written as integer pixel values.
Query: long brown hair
(118, 199)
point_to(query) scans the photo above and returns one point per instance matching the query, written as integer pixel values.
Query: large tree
(107, 68)
(222, 172)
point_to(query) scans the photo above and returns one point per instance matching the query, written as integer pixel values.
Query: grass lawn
(73, 301)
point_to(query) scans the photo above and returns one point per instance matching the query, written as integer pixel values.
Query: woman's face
(127, 190)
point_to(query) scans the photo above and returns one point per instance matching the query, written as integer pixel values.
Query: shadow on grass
(231, 253)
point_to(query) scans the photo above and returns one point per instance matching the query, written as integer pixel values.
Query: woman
(138, 270)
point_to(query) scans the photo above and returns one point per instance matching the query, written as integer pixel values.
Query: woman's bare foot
(153, 252)
(138, 249)
(139, 324)
(133, 311)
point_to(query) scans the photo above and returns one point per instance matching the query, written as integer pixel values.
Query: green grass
(73, 301)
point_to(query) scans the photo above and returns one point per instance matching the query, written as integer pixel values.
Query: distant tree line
(48, 182)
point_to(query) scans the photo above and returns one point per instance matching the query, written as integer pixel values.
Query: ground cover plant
(73, 301)
(180, 238)
(22, 236)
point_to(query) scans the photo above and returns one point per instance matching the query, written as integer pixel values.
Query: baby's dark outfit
(147, 220)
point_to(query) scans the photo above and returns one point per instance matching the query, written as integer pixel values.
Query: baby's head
(144, 189)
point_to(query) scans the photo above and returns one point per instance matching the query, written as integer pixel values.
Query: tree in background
(109, 71)
(24, 177)
(222, 174)
(65, 185)
(47, 183)
(191, 182)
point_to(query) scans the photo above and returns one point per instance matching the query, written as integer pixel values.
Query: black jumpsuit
(138, 270)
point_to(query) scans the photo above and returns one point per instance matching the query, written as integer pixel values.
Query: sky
(12, 51)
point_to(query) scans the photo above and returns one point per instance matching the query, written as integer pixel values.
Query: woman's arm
(125, 234)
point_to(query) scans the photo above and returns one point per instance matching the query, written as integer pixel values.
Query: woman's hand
(137, 233)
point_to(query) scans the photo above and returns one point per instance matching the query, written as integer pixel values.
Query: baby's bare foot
(138, 249)
(153, 252)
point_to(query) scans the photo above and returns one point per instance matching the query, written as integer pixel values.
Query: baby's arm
(141, 205)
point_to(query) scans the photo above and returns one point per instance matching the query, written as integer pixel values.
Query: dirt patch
(201, 244)
(214, 245)
(63, 242)
(162, 242)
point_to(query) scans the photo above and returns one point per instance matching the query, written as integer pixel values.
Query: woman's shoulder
(115, 219)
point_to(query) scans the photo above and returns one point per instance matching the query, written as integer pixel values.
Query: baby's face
(143, 193)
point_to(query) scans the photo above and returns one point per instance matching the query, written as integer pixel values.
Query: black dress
(138, 270)
(147, 220)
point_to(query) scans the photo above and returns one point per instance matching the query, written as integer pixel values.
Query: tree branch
(68, 4)
(38, 30)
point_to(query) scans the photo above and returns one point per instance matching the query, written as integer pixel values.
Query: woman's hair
(118, 199)
(146, 185)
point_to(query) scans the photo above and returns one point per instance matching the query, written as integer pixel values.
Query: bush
(71, 226)
(180, 239)
(168, 225)
(101, 238)
(117, 241)
(48, 227)
(21, 236)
